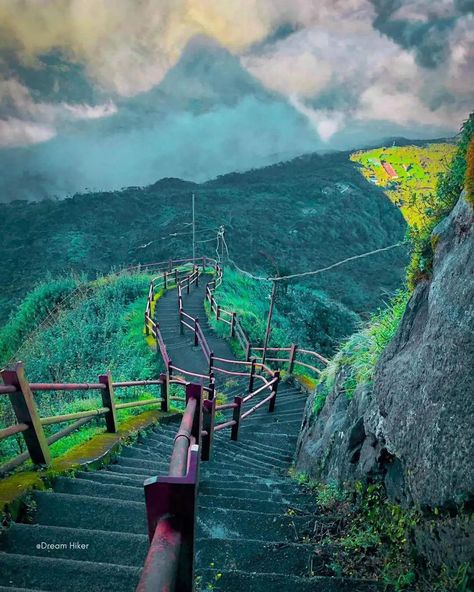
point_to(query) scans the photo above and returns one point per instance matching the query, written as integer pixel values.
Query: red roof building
(389, 170)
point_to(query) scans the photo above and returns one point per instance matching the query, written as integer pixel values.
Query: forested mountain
(298, 215)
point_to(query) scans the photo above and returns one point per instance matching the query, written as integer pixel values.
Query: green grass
(358, 356)
(417, 167)
(320, 328)
(88, 337)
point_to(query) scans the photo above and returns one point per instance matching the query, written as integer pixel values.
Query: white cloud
(16, 132)
(325, 122)
(26, 121)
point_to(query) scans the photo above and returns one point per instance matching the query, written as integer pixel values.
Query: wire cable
(308, 273)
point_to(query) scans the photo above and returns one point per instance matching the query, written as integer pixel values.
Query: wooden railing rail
(171, 504)
(29, 423)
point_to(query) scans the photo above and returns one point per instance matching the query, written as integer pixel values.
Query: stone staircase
(88, 534)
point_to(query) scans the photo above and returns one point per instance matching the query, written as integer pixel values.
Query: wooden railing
(171, 504)
(293, 356)
(29, 422)
(171, 499)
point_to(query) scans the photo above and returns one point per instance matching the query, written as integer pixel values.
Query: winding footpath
(252, 520)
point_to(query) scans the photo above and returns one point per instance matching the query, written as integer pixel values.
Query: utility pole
(269, 322)
(194, 234)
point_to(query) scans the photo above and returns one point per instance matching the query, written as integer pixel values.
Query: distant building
(389, 170)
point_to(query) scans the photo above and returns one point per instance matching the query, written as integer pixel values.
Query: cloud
(348, 67)
(15, 132)
(325, 122)
(25, 121)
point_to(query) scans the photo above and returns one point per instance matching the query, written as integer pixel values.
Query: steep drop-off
(412, 427)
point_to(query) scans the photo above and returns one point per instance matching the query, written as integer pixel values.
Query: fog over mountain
(191, 89)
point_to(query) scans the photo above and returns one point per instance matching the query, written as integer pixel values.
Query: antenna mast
(194, 233)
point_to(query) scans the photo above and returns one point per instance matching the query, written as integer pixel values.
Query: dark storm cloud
(429, 38)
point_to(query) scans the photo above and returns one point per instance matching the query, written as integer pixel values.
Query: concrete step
(233, 454)
(81, 511)
(108, 477)
(262, 557)
(240, 581)
(248, 503)
(241, 524)
(144, 474)
(296, 500)
(94, 489)
(74, 543)
(46, 573)
(153, 467)
(261, 487)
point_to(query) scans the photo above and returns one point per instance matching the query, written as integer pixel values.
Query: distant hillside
(408, 173)
(298, 215)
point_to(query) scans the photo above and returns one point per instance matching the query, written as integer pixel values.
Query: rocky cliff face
(413, 427)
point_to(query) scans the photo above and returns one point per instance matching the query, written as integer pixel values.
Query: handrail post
(208, 419)
(194, 390)
(234, 435)
(252, 374)
(212, 386)
(181, 326)
(196, 325)
(147, 329)
(271, 407)
(170, 264)
(248, 350)
(293, 350)
(218, 312)
(165, 280)
(187, 285)
(176, 276)
(108, 400)
(211, 362)
(232, 325)
(196, 271)
(26, 411)
(170, 369)
(164, 392)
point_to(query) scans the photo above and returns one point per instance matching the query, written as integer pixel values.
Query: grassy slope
(90, 335)
(417, 168)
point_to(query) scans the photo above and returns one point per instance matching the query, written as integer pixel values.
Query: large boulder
(413, 428)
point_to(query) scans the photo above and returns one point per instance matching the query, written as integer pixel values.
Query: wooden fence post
(147, 329)
(196, 340)
(195, 390)
(271, 407)
(211, 362)
(232, 325)
(187, 286)
(170, 369)
(108, 400)
(293, 349)
(181, 326)
(248, 350)
(234, 435)
(218, 312)
(176, 277)
(208, 418)
(165, 280)
(26, 411)
(252, 375)
(196, 271)
(164, 392)
(212, 386)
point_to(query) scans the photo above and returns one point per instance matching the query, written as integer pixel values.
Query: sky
(99, 94)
